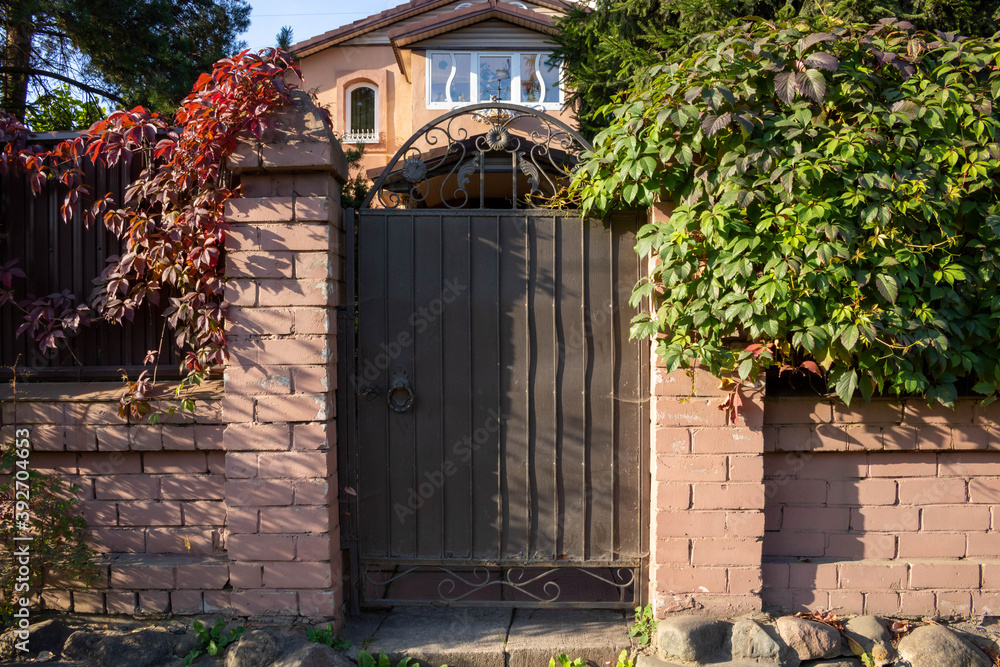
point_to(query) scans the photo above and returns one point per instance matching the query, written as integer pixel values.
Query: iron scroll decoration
(542, 154)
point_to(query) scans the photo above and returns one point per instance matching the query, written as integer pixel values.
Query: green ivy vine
(836, 205)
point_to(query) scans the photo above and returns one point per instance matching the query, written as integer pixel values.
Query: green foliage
(353, 194)
(623, 660)
(644, 625)
(837, 205)
(325, 636)
(562, 660)
(59, 533)
(60, 110)
(610, 47)
(283, 40)
(213, 640)
(147, 52)
(366, 660)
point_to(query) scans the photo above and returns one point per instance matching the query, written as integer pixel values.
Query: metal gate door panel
(525, 441)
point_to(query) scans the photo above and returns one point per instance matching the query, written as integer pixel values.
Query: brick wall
(149, 493)
(889, 507)
(285, 271)
(233, 509)
(707, 495)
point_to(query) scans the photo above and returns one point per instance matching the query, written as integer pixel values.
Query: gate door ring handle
(399, 395)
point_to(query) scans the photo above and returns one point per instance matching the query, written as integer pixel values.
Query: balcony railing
(361, 137)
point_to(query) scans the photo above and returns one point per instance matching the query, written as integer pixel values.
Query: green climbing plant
(835, 205)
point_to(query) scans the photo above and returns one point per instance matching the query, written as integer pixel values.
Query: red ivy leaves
(172, 220)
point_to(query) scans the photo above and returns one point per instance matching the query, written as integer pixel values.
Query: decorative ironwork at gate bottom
(524, 585)
(440, 160)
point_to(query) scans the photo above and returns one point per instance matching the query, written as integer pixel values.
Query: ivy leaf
(983, 387)
(710, 123)
(850, 336)
(629, 191)
(845, 383)
(812, 83)
(887, 286)
(785, 87)
(813, 39)
(822, 60)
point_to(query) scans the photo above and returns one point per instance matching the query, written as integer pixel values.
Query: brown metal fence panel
(56, 256)
(525, 442)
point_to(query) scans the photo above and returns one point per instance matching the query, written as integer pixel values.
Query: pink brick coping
(816, 424)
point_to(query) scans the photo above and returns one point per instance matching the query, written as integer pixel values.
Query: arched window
(361, 103)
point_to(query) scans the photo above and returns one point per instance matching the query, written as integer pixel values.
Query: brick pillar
(707, 494)
(285, 277)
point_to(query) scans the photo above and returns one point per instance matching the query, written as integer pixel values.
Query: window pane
(531, 89)
(440, 71)
(550, 75)
(460, 85)
(494, 78)
(362, 110)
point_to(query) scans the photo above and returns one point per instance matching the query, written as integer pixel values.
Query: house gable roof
(385, 19)
(461, 18)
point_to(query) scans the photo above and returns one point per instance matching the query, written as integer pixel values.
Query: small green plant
(562, 660)
(213, 640)
(35, 504)
(325, 636)
(623, 660)
(365, 659)
(644, 626)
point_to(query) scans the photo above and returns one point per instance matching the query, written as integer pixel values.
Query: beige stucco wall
(402, 103)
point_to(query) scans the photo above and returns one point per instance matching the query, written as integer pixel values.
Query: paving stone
(937, 646)
(454, 637)
(538, 635)
(653, 661)
(314, 655)
(691, 638)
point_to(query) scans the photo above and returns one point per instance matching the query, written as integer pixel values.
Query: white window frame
(350, 137)
(515, 84)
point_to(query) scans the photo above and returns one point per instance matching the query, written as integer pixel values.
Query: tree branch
(31, 71)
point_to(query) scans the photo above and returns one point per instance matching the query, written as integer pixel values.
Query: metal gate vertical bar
(427, 381)
(484, 282)
(401, 464)
(601, 436)
(347, 396)
(374, 518)
(460, 433)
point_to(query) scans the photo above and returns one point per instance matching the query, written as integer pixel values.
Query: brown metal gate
(495, 412)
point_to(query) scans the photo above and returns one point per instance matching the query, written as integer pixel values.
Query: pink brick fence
(232, 509)
(894, 506)
(887, 507)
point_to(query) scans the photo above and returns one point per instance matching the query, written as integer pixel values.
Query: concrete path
(490, 637)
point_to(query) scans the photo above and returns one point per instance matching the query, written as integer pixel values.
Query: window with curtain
(362, 114)
(455, 78)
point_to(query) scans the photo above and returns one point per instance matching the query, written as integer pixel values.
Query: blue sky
(307, 18)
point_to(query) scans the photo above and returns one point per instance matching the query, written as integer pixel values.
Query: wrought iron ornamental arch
(441, 160)
(492, 409)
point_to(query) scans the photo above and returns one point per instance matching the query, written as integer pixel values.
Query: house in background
(385, 76)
